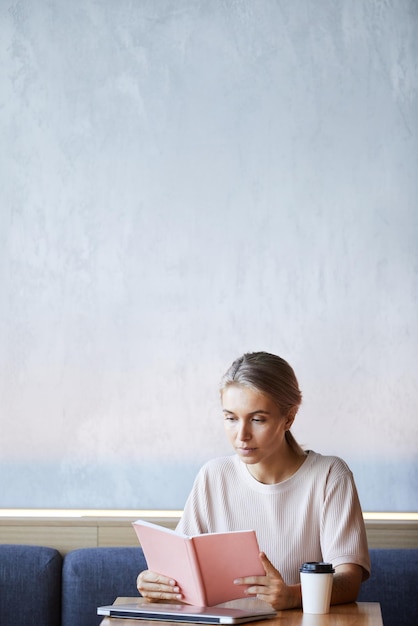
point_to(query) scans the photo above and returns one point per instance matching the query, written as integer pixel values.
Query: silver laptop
(187, 613)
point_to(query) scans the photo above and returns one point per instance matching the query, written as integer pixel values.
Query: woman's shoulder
(330, 464)
(219, 463)
(218, 470)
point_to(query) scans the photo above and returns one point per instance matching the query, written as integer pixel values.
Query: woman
(302, 505)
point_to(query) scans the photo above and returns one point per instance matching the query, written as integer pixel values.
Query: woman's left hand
(271, 588)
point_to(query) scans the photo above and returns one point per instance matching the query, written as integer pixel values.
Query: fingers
(257, 586)
(250, 580)
(268, 567)
(270, 572)
(157, 587)
(270, 588)
(146, 576)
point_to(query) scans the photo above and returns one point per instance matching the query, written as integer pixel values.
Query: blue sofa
(93, 577)
(40, 587)
(30, 586)
(393, 583)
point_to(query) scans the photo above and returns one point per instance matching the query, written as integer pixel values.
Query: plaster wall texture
(181, 182)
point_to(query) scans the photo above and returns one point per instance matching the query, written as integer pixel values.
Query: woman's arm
(272, 589)
(346, 584)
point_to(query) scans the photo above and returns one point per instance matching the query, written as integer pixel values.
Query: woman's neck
(281, 469)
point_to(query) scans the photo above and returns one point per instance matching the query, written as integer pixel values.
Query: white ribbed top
(313, 516)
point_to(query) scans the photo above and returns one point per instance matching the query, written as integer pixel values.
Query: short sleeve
(343, 533)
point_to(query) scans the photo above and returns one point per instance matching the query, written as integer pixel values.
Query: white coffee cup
(316, 583)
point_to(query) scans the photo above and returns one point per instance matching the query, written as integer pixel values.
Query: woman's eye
(258, 420)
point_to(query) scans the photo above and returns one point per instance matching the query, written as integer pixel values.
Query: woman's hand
(157, 587)
(271, 588)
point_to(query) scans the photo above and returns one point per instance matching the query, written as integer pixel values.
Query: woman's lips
(246, 451)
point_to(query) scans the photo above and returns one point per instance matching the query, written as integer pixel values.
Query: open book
(204, 566)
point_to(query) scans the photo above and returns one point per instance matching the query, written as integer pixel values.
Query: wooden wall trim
(70, 533)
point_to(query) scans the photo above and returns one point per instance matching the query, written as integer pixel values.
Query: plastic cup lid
(315, 568)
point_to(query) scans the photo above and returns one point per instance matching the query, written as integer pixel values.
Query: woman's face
(254, 425)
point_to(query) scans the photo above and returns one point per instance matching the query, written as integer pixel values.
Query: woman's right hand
(157, 587)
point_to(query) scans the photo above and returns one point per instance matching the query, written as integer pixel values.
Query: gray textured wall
(183, 181)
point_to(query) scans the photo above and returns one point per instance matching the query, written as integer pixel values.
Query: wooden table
(354, 614)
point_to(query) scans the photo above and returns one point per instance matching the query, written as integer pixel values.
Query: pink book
(204, 566)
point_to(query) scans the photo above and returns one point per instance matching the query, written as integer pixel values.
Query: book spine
(201, 599)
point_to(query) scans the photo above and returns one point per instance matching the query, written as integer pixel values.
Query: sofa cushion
(393, 583)
(95, 577)
(30, 585)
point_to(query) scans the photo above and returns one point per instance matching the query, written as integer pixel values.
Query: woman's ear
(290, 417)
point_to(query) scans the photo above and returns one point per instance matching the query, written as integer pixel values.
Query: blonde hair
(270, 375)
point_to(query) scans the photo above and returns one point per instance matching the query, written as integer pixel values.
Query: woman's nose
(244, 432)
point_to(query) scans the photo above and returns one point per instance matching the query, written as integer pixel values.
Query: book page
(171, 554)
(222, 557)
